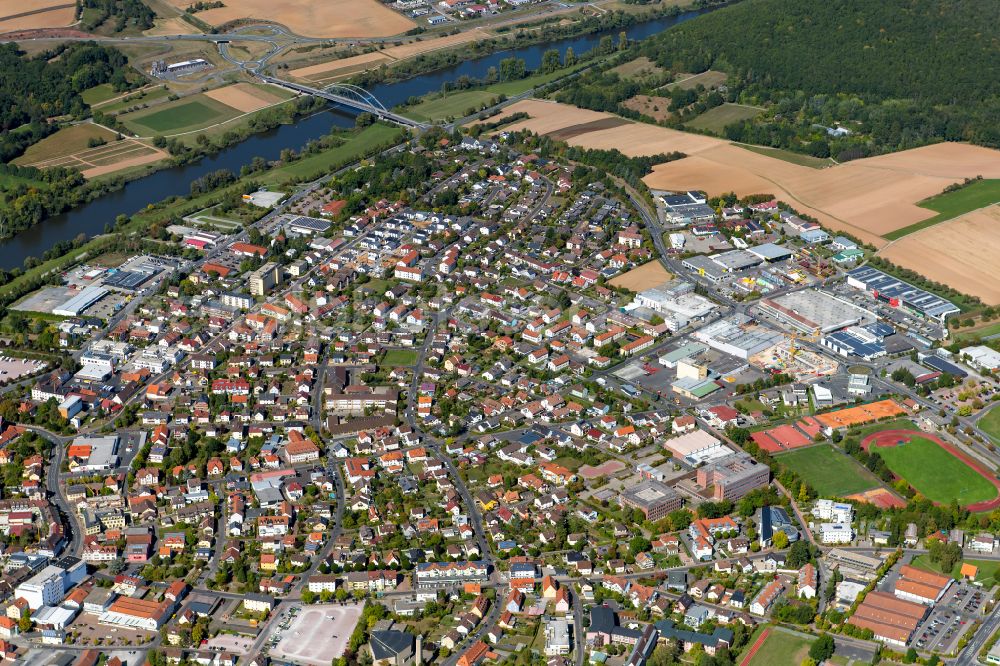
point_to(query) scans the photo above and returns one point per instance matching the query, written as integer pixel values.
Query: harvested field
(335, 69)
(644, 277)
(867, 198)
(335, 18)
(961, 253)
(67, 141)
(709, 79)
(245, 97)
(654, 107)
(34, 14)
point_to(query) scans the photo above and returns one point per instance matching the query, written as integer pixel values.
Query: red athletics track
(755, 647)
(889, 438)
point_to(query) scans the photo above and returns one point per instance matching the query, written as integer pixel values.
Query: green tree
(550, 61)
(570, 58)
(823, 648)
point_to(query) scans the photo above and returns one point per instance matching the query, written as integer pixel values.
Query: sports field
(990, 423)
(715, 119)
(778, 647)
(932, 471)
(986, 569)
(829, 472)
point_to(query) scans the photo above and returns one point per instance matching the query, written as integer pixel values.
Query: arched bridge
(345, 94)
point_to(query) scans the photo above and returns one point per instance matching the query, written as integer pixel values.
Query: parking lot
(957, 611)
(313, 635)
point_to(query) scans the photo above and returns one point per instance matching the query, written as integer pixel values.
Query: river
(91, 218)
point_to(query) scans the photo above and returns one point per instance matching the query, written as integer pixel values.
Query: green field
(829, 472)
(715, 119)
(182, 116)
(455, 105)
(987, 568)
(781, 647)
(979, 333)
(397, 357)
(135, 99)
(788, 156)
(952, 204)
(357, 145)
(935, 473)
(990, 423)
(99, 94)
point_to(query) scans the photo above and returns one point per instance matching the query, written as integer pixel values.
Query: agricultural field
(990, 423)
(950, 205)
(184, 115)
(961, 253)
(935, 473)
(867, 197)
(248, 97)
(69, 147)
(715, 120)
(33, 14)
(829, 472)
(98, 94)
(336, 18)
(788, 156)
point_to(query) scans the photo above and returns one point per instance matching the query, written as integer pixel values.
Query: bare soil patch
(243, 97)
(568, 133)
(171, 26)
(636, 69)
(333, 18)
(961, 253)
(647, 276)
(648, 105)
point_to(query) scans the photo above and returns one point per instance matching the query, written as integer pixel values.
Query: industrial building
(812, 311)
(93, 454)
(899, 294)
(48, 587)
(981, 357)
(307, 226)
(653, 498)
(867, 342)
(771, 252)
(689, 350)
(734, 336)
(922, 587)
(76, 305)
(677, 304)
(697, 447)
(736, 260)
(705, 267)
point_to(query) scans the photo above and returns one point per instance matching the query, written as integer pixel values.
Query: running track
(755, 647)
(889, 438)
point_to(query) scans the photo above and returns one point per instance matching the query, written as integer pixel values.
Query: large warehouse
(897, 293)
(697, 447)
(812, 311)
(735, 337)
(83, 300)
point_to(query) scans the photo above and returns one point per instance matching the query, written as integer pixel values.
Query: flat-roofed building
(853, 564)
(697, 447)
(653, 498)
(264, 279)
(733, 477)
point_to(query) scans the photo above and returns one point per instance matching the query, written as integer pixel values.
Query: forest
(34, 90)
(895, 74)
(118, 14)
